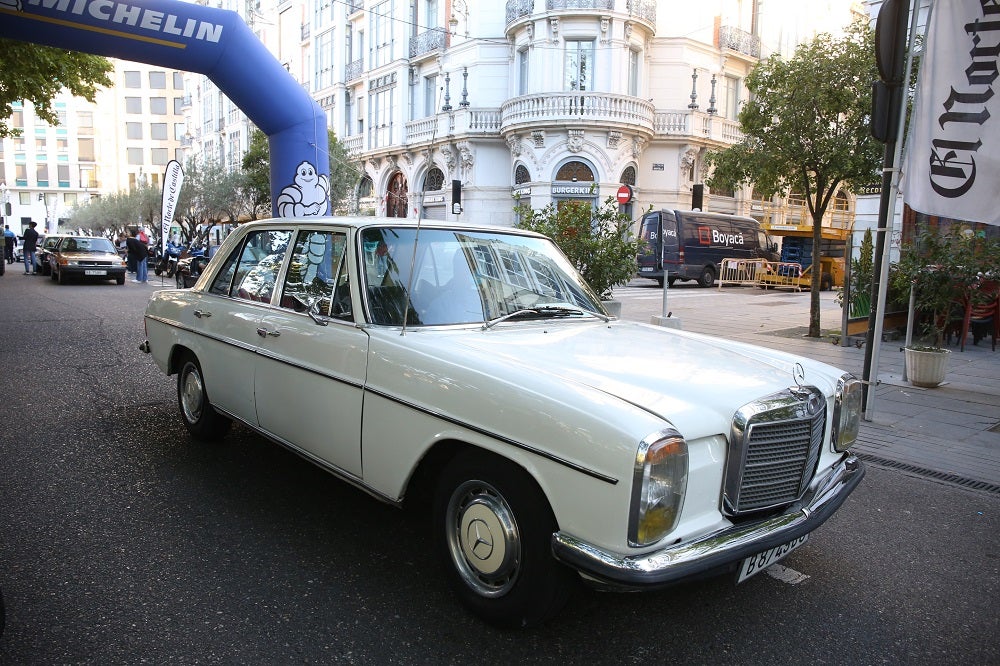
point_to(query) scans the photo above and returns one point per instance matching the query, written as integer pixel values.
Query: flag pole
(887, 211)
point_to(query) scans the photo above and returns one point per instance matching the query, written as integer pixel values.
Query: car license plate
(95, 272)
(757, 563)
(646, 269)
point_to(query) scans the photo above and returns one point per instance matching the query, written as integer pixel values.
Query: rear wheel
(493, 529)
(707, 277)
(200, 418)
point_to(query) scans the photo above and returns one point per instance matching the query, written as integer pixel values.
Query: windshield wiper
(544, 312)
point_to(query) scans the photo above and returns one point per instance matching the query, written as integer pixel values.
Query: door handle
(263, 332)
(202, 313)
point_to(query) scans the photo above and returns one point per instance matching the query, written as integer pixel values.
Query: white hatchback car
(471, 366)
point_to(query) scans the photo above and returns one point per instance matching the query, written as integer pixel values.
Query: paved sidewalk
(951, 432)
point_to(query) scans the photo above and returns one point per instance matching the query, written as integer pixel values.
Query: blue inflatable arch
(213, 42)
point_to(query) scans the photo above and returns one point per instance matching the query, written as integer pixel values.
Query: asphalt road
(124, 542)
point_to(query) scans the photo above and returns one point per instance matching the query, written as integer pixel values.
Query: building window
(85, 122)
(382, 18)
(179, 131)
(324, 60)
(42, 175)
(85, 149)
(160, 156)
(158, 106)
(381, 110)
(133, 79)
(69, 198)
(133, 105)
(178, 80)
(579, 64)
(134, 156)
(430, 95)
(178, 106)
(133, 130)
(575, 171)
(522, 72)
(62, 175)
(158, 131)
(158, 80)
(521, 175)
(730, 102)
(628, 176)
(633, 73)
(434, 180)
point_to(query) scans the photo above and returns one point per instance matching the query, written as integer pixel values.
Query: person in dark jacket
(29, 242)
(10, 239)
(138, 252)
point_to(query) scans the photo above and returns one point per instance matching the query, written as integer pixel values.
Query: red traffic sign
(624, 194)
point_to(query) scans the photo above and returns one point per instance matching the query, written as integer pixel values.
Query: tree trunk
(817, 275)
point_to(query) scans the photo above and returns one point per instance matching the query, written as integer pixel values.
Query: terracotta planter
(926, 367)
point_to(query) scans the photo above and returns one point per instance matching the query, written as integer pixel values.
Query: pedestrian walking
(138, 252)
(10, 240)
(3, 253)
(29, 243)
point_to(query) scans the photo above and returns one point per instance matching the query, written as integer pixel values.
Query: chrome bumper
(715, 552)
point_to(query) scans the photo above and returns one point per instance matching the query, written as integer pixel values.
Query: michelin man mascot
(307, 196)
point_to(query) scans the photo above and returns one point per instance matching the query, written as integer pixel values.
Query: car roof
(360, 222)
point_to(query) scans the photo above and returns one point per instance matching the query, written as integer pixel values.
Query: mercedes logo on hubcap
(480, 538)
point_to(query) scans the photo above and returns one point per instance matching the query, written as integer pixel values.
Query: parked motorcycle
(167, 262)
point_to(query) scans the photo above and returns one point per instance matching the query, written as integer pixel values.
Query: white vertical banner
(952, 167)
(173, 177)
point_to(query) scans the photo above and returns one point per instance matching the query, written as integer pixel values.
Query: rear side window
(250, 271)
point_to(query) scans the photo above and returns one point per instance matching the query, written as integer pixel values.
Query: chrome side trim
(715, 552)
(405, 403)
(500, 438)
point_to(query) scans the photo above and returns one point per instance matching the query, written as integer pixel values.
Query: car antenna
(416, 237)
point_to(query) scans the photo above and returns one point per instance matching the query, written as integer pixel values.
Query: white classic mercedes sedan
(471, 368)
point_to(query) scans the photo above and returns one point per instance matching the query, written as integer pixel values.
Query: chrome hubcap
(192, 394)
(483, 538)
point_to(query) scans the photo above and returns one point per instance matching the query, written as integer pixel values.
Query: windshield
(463, 277)
(95, 245)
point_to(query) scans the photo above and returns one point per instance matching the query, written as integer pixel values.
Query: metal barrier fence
(740, 272)
(762, 273)
(780, 274)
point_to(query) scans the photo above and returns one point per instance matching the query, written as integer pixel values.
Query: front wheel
(707, 278)
(493, 529)
(61, 279)
(200, 418)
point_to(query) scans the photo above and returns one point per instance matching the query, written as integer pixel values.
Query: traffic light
(890, 57)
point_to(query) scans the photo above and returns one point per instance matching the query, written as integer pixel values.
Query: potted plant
(940, 268)
(599, 242)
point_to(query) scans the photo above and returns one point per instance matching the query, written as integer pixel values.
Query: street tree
(36, 73)
(806, 129)
(257, 172)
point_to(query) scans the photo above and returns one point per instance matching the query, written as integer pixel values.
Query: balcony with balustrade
(519, 11)
(427, 44)
(577, 110)
(739, 41)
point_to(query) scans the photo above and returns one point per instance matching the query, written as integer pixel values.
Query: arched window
(434, 180)
(521, 175)
(628, 176)
(366, 188)
(575, 171)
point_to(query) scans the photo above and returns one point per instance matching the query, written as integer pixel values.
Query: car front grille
(774, 447)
